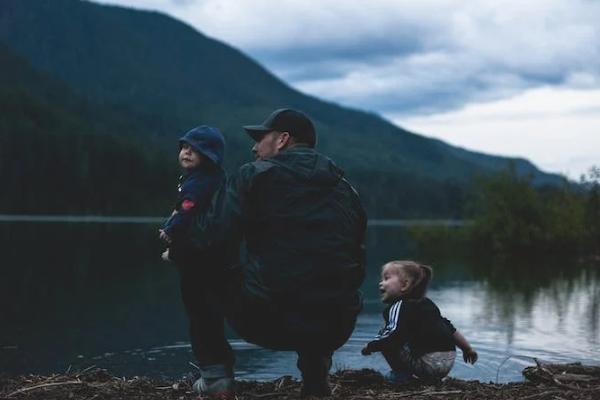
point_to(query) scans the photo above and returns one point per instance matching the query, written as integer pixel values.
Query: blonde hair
(419, 274)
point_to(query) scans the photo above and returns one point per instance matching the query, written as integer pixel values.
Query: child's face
(394, 284)
(189, 158)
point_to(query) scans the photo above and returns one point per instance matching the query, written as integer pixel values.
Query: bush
(508, 213)
(591, 183)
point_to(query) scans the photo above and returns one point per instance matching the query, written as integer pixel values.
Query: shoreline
(543, 381)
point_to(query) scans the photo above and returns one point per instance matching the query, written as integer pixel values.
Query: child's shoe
(398, 377)
(216, 382)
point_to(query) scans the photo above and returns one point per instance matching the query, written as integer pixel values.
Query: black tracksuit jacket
(417, 323)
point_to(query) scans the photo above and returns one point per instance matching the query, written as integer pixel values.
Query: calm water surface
(76, 295)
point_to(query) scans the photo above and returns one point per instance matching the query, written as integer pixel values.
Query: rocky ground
(543, 382)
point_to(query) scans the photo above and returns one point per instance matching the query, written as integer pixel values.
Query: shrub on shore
(509, 216)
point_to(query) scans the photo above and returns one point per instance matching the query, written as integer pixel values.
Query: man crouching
(295, 287)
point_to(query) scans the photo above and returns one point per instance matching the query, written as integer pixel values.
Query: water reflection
(77, 294)
(553, 297)
(70, 290)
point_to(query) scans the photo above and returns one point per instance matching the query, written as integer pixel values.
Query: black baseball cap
(296, 123)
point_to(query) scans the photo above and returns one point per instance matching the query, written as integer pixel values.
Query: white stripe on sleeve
(392, 321)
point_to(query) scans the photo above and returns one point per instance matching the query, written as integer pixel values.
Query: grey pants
(429, 366)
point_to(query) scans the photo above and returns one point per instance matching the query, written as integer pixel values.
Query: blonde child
(416, 341)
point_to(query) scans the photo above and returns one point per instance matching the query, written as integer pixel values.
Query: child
(200, 156)
(416, 340)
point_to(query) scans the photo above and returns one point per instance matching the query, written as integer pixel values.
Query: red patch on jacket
(187, 205)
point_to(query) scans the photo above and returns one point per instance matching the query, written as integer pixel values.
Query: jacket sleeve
(179, 220)
(392, 334)
(451, 327)
(444, 322)
(221, 225)
(194, 198)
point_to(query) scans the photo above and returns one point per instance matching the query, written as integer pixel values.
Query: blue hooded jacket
(197, 186)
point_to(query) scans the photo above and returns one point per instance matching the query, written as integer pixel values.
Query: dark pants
(313, 332)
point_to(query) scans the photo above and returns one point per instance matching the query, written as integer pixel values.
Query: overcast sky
(517, 78)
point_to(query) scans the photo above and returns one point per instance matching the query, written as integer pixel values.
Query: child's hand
(165, 255)
(365, 351)
(470, 356)
(163, 236)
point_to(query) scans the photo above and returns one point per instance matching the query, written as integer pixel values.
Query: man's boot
(315, 375)
(216, 382)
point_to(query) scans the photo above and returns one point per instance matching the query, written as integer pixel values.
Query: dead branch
(44, 385)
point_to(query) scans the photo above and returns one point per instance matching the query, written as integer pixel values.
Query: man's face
(269, 144)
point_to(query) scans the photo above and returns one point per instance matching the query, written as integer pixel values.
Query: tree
(513, 217)
(591, 182)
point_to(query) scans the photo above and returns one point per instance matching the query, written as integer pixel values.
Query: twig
(427, 393)
(533, 396)
(565, 376)
(44, 385)
(540, 365)
(266, 395)
(194, 365)
(500, 366)
(282, 382)
(48, 379)
(335, 389)
(86, 370)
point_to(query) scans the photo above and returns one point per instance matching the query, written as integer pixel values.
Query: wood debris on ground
(543, 382)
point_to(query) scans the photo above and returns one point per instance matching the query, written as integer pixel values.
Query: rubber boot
(216, 382)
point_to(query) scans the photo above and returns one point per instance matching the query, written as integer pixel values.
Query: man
(302, 227)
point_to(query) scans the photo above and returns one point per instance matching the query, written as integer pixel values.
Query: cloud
(500, 76)
(405, 56)
(555, 127)
(421, 83)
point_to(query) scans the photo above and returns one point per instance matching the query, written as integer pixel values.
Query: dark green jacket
(303, 226)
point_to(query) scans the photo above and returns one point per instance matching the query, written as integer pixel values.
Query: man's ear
(283, 140)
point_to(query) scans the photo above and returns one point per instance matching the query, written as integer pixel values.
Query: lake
(74, 295)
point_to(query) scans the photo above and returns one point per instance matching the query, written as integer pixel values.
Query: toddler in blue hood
(201, 153)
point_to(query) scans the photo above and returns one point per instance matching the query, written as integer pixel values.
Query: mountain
(58, 155)
(139, 79)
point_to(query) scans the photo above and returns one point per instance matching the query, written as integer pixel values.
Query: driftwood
(574, 376)
(543, 382)
(43, 385)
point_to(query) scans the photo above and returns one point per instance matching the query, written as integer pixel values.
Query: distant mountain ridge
(146, 78)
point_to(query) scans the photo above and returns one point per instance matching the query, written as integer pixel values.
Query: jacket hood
(207, 141)
(307, 164)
